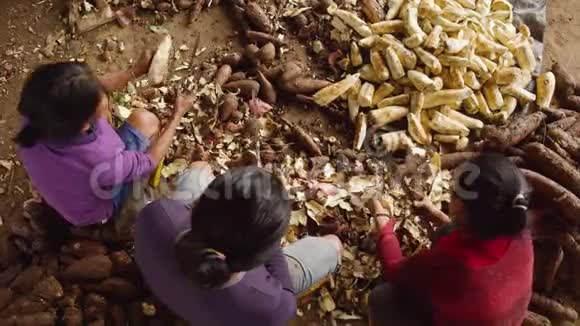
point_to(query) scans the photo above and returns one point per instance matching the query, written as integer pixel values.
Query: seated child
(80, 165)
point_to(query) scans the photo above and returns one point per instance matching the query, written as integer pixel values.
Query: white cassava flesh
(159, 69)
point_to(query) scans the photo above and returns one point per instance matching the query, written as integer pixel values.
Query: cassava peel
(513, 133)
(564, 200)
(552, 165)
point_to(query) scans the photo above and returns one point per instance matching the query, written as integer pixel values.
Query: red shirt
(466, 281)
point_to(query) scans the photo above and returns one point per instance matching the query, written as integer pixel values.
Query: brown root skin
(574, 130)
(452, 160)
(267, 90)
(290, 70)
(117, 288)
(263, 38)
(534, 319)
(93, 268)
(373, 11)
(552, 165)
(434, 215)
(552, 308)
(573, 102)
(258, 17)
(267, 53)
(247, 88)
(49, 290)
(117, 315)
(553, 145)
(72, 316)
(304, 139)
(565, 82)
(232, 59)
(5, 297)
(566, 141)
(228, 106)
(566, 202)
(122, 262)
(556, 257)
(36, 319)
(26, 280)
(240, 75)
(513, 133)
(564, 123)
(303, 85)
(251, 52)
(569, 243)
(223, 75)
(84, 248)
(9, 274)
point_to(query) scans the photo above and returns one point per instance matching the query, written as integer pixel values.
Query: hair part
(236, 226)
(495, 196)
(57, 100)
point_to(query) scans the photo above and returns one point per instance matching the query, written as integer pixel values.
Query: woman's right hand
(380, 214)
(182, 105)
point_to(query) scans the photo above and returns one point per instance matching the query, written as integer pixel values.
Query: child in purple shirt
(78, 163)
(220, 263)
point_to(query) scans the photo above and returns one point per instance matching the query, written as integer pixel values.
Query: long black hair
(495, 195)
(236, 225)
(57, 101)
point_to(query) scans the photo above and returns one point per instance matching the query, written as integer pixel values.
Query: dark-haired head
(492, 195)
(236, 226)
(57, 101)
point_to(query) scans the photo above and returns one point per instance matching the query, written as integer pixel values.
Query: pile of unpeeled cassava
(83, 277)
(546, 146)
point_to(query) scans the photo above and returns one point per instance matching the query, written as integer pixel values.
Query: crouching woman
(478, 274)
(220, 263)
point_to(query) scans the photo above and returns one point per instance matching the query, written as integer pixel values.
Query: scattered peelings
(174, 167)
(298, 218)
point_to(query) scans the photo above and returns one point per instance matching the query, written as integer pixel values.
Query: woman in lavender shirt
(221, 263)
(81, 166)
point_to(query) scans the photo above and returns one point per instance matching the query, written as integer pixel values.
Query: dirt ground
(25, 25)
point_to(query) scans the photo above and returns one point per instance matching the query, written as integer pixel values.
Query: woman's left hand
(141, 67)
(380, 213)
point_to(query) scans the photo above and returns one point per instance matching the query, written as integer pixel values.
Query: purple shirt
(77, 177)
(263, 297)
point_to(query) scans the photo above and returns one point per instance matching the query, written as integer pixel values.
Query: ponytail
(495, 195)
(515, 220)
(28, 136)
(205, 266)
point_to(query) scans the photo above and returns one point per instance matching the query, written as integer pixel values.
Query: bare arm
(159, 148)
(116, 81)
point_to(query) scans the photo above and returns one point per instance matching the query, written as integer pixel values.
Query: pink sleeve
(125, 167)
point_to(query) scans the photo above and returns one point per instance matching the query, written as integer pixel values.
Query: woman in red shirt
(480, 273)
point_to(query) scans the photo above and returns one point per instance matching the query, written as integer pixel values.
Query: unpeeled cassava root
(566, 202)
(534, 319)
(513, 133)
(552, 165)
(552, 308)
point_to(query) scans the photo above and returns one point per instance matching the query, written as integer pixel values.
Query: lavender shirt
(264, 296)
(76, 177)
